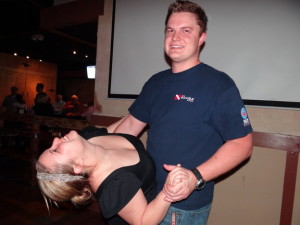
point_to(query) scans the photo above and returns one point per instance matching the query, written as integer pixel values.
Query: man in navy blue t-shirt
(196, 118)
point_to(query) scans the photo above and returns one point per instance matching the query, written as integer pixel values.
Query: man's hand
(179, 183)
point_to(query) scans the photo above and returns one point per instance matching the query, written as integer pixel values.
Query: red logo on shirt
(183, 97)
(177, 97)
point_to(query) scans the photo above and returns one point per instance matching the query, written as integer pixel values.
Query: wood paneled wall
(25, 74)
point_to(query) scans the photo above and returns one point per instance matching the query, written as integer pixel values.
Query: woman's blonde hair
(77, 191)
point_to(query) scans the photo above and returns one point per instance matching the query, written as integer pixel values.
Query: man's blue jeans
(182, 217)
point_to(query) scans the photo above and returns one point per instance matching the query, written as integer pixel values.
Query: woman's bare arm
(137, 212)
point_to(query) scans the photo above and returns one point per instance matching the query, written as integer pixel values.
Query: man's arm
(229, 155)
(129, 125)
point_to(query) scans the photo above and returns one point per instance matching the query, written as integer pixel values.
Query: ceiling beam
(68, 36)
(70, 14)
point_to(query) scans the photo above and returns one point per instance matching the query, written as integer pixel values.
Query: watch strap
(197, 174)
(200, 183)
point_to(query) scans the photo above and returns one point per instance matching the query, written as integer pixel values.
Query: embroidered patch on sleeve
(245, 117)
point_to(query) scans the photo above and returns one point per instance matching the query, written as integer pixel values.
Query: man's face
(183, 38)
(38, 88)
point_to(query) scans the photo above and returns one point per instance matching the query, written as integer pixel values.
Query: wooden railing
(290, 144)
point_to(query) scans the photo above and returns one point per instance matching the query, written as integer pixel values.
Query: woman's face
(63, 151)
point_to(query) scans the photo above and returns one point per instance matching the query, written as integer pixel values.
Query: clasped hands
(179, 183)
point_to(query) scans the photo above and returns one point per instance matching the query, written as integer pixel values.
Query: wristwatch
(200, 183)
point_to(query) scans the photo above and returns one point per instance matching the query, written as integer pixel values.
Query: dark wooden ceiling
(42, 29)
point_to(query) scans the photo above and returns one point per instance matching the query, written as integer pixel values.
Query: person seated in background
(88, 111)
(10, 99)
(58, 105)
(12, 127)
(73, 107)
(114, 167)
(42, 102)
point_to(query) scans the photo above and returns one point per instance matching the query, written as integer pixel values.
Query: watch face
(200, 184)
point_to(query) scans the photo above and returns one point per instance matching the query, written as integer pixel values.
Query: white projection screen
(255, 42)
